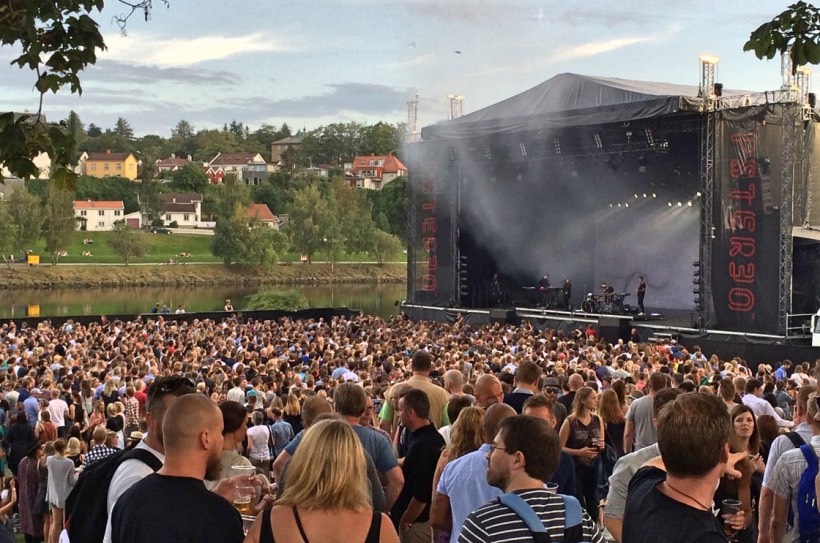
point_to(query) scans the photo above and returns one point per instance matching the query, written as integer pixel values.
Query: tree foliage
(385, 246)
(285, 300)
(56, 40)
(8, 243)
(59, 221)
(238, 239)
(126, 243)
(797, 28)
(26, 215)
(189, 179)
(389, 209)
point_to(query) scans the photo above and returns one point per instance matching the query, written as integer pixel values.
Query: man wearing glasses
(552, 389)
(161, 395)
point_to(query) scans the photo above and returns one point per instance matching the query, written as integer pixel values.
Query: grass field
(161, 247)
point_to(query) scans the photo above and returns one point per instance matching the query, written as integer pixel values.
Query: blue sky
(320, 61)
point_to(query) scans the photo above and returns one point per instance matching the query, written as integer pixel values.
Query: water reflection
(372, 299)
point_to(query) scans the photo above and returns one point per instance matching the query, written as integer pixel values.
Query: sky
(317, 62)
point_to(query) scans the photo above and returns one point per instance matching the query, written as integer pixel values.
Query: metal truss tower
(456, 106)
(708, 65)
(413, 134)
(791, 114)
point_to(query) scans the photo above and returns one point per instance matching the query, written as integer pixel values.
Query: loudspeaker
(504, 316)
(614, 328)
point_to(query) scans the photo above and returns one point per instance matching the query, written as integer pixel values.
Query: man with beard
(173, 504)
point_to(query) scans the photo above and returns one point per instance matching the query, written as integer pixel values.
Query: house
(264, 214)
(375, 171)
(322, 170)
(98, 215)
(183, 207)
(110, 164)
(278, 148)
(250, 168)
(171, 164)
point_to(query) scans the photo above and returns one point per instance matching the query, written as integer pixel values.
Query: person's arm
(781, 422)
(250, 442)
(279, 463)
(414, 509)
(777, 529)
(441, 512)
(615, 526)
(388, 531)
(629, 436)
(394, 482)
(386, 416)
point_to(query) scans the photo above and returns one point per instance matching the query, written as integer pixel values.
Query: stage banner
(430, 249)
(746, 246)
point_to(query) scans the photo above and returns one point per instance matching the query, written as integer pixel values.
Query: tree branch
(144, 6)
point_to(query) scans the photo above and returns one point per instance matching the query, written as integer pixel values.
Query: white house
(183, 207)
(98, 215)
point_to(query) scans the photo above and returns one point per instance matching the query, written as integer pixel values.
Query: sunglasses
(552, 390)
(172, 384)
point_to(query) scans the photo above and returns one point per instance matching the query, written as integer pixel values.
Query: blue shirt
(32, 408)
(464, 481)
(376, 445)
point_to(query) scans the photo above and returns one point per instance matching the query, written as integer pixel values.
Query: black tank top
(267, 533)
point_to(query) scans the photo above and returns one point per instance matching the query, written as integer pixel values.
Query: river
(377, 299)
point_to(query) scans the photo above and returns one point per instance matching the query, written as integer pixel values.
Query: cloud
(363, 98)
(114, 71)
(147, 50)
(590, 49)
(418, 60)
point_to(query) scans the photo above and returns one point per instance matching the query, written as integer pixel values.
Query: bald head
(575, 381)
(488, 391)
(454, 378)
(185, 421)
(493, 417)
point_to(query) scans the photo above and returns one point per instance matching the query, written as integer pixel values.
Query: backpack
(809, 525)
(86, 508)
(797, 442)
(573, 516)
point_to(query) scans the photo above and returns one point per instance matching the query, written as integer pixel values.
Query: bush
(158, 222)
(173, 224)
(288, 300)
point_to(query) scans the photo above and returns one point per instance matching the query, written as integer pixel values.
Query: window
(119, 166)
(83, 213)
(185, 217)
(168, 217)
(101, 213)
(105, 166)
(93, 167)
(117, 212)
(101, 224)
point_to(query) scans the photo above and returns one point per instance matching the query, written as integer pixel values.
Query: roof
(261, 212)
(573, 100)
(173, 161)
(181, 197)
(290, 140)
(234, 159)
(178, 208)
(390, 163)
(107, 156)
(98, 204)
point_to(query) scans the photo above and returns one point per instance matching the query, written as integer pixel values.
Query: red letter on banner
(744, 220)
(428, 283)
(748, 194)
(429, 244)
(741, 299)
(742, 246)
(742, 273)
(429, 225)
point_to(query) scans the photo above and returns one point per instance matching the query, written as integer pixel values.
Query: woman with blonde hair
(74, 452)
(582, 437)
(292, 413)
(327, 498)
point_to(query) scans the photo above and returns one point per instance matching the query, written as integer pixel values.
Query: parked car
(160, 230)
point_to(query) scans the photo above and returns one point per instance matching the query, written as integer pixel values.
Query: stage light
(636, 196)
(619, 205)
(557, 146)
(718, 90)
(627, 205)
(523, 149)
(654, 195)
(451, 151)
(698, 194)
(689, 203)
(679, 204)
(488, 152)
(644, 195)
(669, 204)
(610, 205)
(598, 142)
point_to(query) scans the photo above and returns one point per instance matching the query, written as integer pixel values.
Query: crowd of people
(365, 429)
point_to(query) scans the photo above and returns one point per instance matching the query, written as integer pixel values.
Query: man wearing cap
(552, 390)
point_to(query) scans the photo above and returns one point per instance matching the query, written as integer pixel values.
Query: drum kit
(607, 304)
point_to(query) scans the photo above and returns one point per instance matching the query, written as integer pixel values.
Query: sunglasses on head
(172, 384)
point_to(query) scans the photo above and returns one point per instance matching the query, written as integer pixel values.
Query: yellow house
(110, 164)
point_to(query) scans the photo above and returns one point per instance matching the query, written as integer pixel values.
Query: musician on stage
(566, 290)
(608, 291)
(641, 293)
(496, 293)
(543, 287)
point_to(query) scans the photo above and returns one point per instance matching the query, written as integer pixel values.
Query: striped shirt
(497, 523)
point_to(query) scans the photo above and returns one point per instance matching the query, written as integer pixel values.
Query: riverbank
(72, 277)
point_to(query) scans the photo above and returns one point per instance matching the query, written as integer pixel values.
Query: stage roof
(573, 100)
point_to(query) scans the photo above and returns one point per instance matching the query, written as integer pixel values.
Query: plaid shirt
(786, 478)
(97, 453)
(132, 412)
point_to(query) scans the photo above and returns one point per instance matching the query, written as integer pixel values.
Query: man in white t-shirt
(58, 409)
